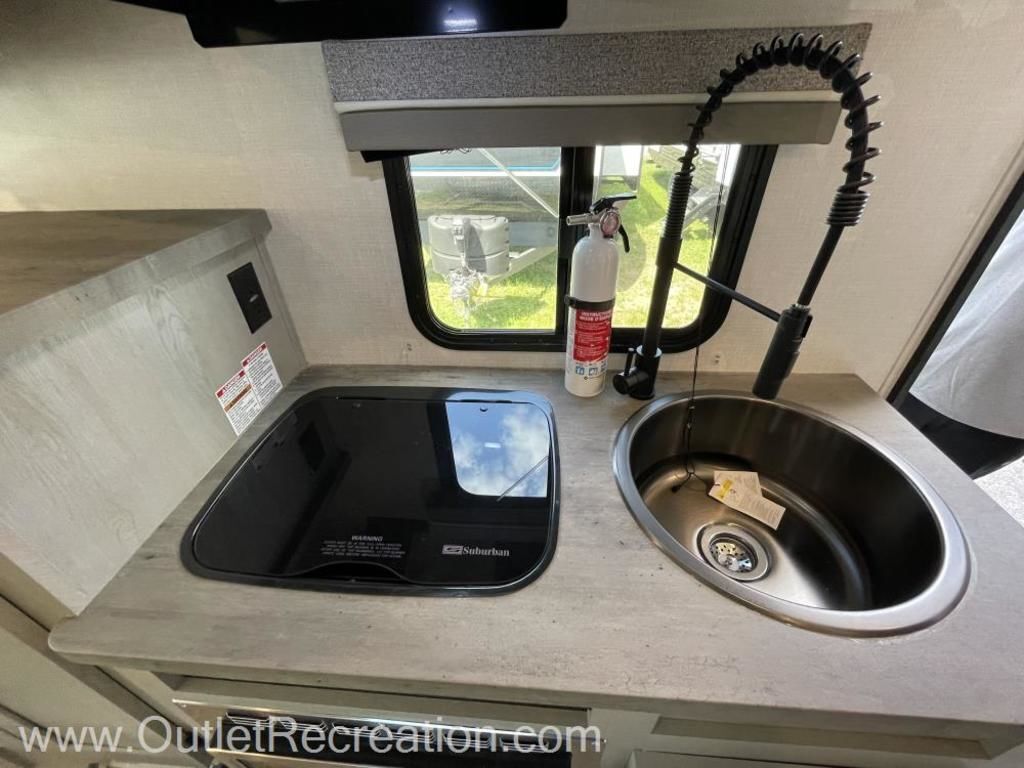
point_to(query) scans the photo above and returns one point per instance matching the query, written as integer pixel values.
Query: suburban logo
(460, 550)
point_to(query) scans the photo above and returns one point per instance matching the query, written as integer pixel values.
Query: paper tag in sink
(748, 480)
(744, 495)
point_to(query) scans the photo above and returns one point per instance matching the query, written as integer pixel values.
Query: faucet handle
(630, 355)
(621, 381)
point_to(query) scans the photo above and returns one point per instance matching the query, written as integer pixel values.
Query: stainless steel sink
(866, 546)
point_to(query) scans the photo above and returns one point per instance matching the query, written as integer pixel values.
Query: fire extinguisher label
(592, 335)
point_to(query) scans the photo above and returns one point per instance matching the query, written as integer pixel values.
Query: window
(485, 251)
(488, 222)
(647, 171)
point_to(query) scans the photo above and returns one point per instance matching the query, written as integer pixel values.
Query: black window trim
(751, 179)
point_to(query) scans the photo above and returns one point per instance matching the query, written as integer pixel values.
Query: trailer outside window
(485, 251)
(488, 222)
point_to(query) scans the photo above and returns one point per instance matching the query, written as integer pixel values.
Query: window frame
(753, 169)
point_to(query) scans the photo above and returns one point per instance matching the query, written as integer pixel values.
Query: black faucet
(791, 324)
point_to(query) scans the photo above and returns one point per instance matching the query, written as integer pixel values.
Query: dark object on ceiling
(219, 23)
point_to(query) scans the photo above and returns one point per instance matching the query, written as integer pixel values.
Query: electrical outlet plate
(247, 289)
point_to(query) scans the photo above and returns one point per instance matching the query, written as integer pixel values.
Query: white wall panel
(107, 105)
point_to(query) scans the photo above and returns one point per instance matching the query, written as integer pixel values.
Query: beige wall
(106, 105)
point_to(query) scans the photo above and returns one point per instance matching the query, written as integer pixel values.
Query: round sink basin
(865, 546)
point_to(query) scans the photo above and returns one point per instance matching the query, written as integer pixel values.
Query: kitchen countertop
(611, 623)
(60, 266)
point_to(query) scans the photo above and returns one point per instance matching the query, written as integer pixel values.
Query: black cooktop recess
(386, 489)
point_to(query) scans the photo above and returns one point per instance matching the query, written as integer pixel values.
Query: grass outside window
(491, 261)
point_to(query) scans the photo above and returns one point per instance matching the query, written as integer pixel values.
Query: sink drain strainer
(734, 551)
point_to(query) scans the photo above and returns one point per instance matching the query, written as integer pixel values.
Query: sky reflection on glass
(500, 448)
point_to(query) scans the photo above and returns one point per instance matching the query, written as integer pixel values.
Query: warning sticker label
(259, 367)
(249, 391)
(363, 547)
(239, 401)
(592, 333)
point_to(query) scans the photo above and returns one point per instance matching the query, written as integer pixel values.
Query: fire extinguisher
(594, 273)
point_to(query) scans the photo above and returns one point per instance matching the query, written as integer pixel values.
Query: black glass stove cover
(394, 490)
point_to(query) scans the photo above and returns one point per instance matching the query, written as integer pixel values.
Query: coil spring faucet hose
(848, 205)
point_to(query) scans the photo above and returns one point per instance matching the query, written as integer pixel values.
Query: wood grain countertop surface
(611, 623)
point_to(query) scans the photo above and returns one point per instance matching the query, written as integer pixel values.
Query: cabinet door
(647, 740)
(273, 761)
(40, 689)
(665, 760)
(643, 759)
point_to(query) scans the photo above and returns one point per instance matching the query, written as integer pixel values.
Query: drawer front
(664, 760)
